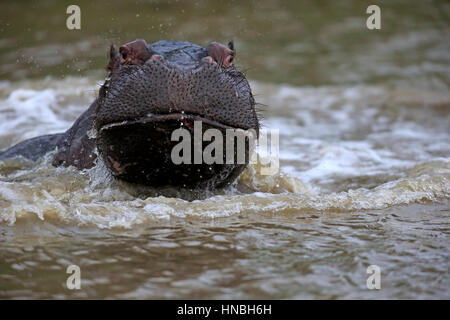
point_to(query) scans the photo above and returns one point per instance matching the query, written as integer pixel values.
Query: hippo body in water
(152, 90)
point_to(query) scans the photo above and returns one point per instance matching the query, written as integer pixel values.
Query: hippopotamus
(150, 91)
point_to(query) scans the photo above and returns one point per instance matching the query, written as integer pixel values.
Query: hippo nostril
(208, 59)
(156, 57)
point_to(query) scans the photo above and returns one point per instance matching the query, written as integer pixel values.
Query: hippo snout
(143, 104)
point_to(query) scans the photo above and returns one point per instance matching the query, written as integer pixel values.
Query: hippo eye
(124, 55)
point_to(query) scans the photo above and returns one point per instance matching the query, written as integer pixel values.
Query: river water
(364, 122)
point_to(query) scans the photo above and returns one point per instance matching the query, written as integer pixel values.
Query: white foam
(29, 109)
(327, 135)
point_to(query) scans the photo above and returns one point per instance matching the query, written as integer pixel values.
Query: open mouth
(141, 150)
(183, 118)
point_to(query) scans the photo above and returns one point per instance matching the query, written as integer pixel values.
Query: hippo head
(153, 90)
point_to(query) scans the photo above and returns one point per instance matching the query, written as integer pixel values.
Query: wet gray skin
(151, 91)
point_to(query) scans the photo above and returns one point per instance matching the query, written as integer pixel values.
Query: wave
(341, 149)
(81, 200)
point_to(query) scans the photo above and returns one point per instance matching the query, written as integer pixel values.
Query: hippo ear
(113, 58)
(221, 54)
(231, 46)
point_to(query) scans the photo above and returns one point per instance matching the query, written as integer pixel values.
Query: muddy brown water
(364, 122)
